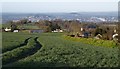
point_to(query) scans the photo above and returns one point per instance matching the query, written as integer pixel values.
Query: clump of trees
(48, 26)
(105, 32)
(13, 27)
(71, 26)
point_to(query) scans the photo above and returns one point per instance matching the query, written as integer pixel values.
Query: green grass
(12, 40)
(20, 52)
(59, 52)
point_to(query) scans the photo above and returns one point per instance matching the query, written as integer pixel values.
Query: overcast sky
(44, 6)
(59, 0)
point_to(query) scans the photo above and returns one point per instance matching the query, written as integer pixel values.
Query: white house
(61, 31)
(115, 31)
(99, 36)
(57, 30)
(7, 29)
(16, 31)
(54, 31)
(81, 29)
(115, 37)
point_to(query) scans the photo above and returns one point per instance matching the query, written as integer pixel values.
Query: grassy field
(13, 40)
(53, 50)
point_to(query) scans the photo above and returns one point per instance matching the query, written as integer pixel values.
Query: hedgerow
(92, 41)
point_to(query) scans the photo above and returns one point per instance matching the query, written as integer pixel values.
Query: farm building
(86, 34)
(36, 31)
(32, 31)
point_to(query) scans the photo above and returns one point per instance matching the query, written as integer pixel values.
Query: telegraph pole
(119, 22)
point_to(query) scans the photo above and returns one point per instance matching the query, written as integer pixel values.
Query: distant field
(25, 26)
(52, 50)
(28, 26)
(6, 25)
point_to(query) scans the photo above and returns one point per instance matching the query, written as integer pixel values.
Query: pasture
(53, 50)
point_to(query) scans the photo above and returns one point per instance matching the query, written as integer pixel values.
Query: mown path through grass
(59, 52)
(21, 52)
(17, 46)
